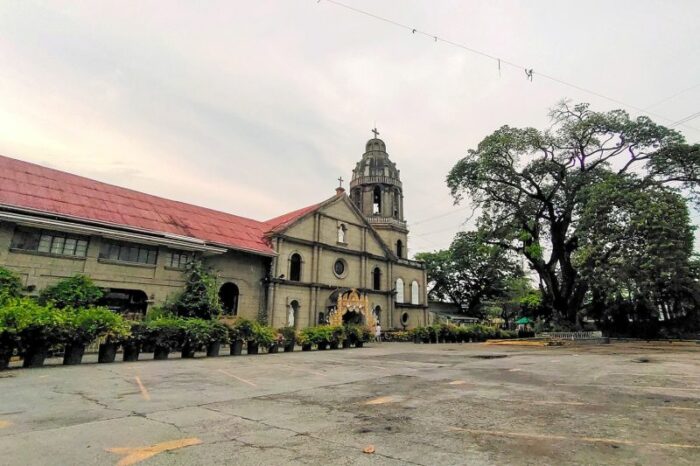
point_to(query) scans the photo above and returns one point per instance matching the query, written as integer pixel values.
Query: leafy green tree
(469, 272)
(200, 297)
(635, 252)
(532, 185)
(76, 292)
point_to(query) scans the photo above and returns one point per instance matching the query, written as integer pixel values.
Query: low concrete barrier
(574, 336)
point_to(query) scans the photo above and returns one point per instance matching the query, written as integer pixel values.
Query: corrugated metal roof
(30, 186)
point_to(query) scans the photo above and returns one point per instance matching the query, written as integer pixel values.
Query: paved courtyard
(625, 403)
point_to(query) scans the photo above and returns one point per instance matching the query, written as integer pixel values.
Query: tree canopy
(540, 192)
(469, 272)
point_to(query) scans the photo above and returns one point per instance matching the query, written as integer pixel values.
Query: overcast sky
(257, 107)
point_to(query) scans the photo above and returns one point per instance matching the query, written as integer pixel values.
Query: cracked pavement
(416, 404)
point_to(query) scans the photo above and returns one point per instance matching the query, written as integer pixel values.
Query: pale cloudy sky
(257, 107)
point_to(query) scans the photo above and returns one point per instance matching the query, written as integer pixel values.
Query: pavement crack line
(304, 434)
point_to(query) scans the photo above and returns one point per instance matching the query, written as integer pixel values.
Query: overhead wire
(529, 72)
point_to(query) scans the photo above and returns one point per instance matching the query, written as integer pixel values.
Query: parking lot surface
(623, 403)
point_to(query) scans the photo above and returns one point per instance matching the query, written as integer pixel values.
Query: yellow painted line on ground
(571, 403)
(4, 424)
(144, 393)
(382, 400)
(515, 369)
(379, 367)
(136, 455)
(626, 386)
(237, 378)
(457, 382)
(677, 408)
(608, 441)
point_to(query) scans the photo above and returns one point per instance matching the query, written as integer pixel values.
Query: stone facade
(315, 256)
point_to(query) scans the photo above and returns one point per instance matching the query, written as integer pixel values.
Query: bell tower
(376, 190)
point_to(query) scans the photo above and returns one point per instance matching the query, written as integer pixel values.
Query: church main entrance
(351, 308)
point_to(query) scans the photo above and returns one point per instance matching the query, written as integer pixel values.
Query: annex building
(343, 259)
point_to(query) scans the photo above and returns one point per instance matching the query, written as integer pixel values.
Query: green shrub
(10, 285)
(263, 335)
(338, 334)
(86, 325)
(243, 329)
(200, 298)
(164, 332)
(219, 332)
(288, 333)
(39, 325)
(78, 291)
(195, 333)
(357, 333)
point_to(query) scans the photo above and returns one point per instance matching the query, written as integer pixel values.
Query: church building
(340, 260)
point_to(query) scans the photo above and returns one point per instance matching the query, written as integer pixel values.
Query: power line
(435, 217)
(684, 120)
(672, 96)
(528, 71)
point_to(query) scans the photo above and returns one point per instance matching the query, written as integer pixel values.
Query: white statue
(290, 317)
(341, 233)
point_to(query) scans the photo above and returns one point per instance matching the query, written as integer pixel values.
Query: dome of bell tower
(376, 190)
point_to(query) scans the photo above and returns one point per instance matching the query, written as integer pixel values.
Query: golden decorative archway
(352, 301)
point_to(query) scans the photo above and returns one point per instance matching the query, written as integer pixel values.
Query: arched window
(295, 267)
(228, 295)
(377, 200)
(376, 279)
(415, 290)
(399, 248)
(399, 290)
(342, 232)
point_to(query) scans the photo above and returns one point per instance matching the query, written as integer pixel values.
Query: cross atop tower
(376, 133)
(340, 180)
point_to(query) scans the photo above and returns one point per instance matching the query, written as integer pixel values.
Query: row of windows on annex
(63, 244)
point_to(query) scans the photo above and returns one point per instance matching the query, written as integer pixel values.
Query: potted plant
(365, 336)
(195, 333)
(164, 334)
(262, 336)
(218, 334)
(131, 345)
(115, 330)
(323, 334)
(84, 326)
(289, 337)
(11, 317)
(303, 338)
(337, 336)
(43, 327)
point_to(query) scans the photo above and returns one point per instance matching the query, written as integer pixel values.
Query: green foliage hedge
(466, 333)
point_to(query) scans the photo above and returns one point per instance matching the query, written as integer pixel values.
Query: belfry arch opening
(377, 200)
(399, 248)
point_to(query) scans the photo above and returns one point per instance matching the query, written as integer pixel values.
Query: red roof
(26, 185)
(283, 221)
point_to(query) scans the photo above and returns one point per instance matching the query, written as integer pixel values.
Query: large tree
(469, 272)
(635, 253)
(532, 185)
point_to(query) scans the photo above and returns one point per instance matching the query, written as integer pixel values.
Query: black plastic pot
(131, 352)
(323, 346)
(5, 355)
(236, 347)
(289, 347)
(160, 353)
(253, 348)
(306, 347)
(416, 340)
(359, 344)
(346, 344)
(74, 354)
(335, 344)
(273, 348)
(187, 351)
(426, 340)
(213, 349)
(107, 353)
(35, 356)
